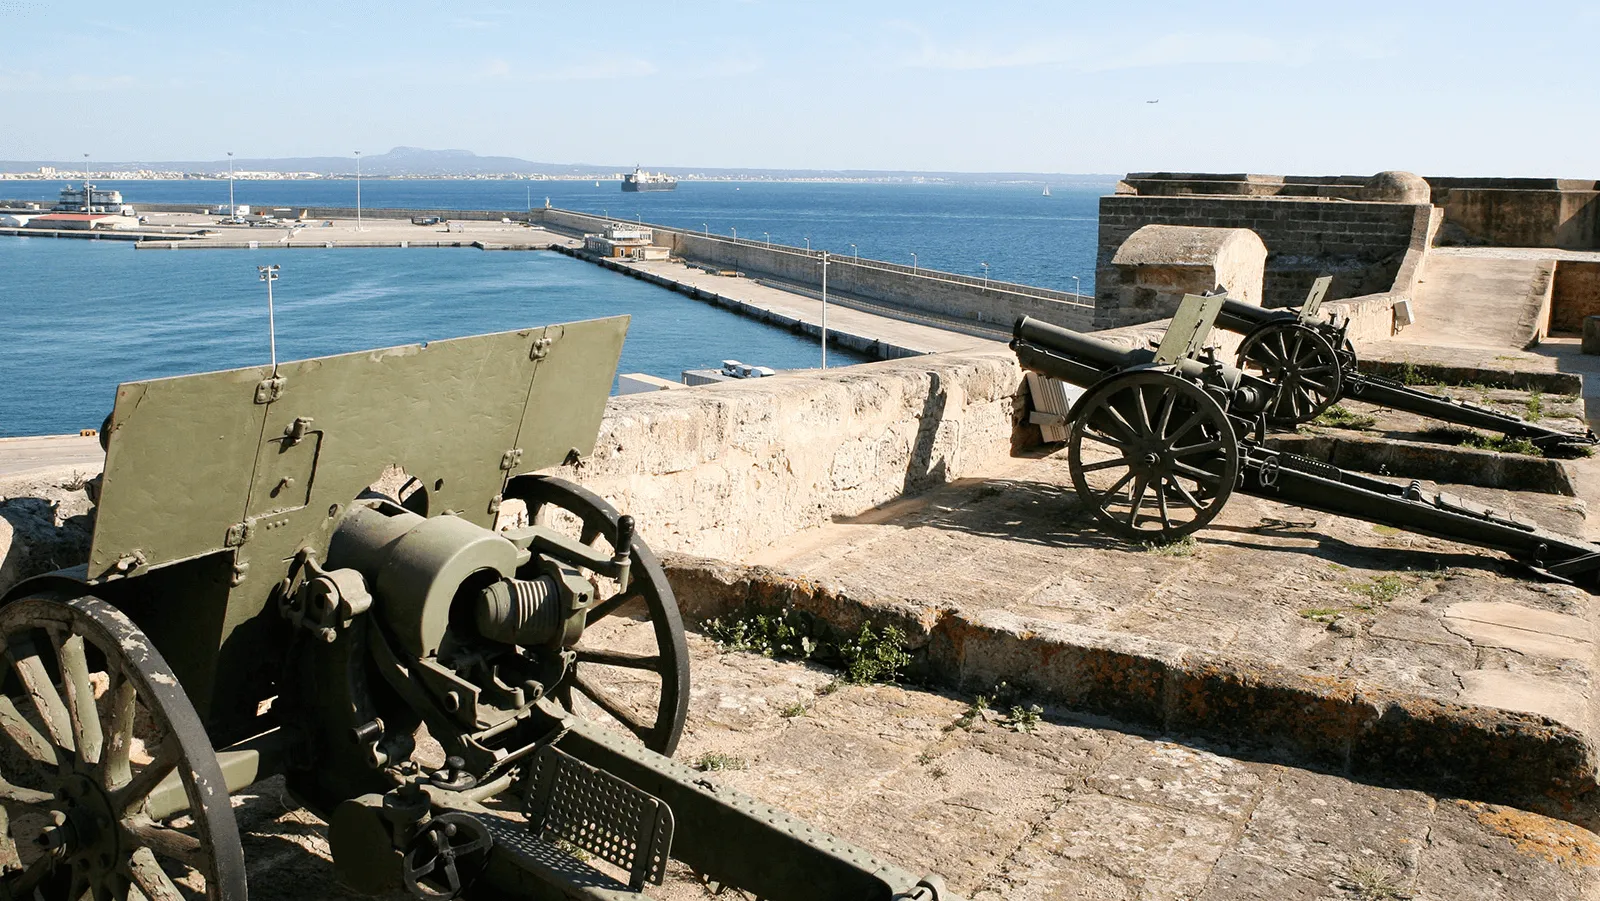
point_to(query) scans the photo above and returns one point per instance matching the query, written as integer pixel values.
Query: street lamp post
(358, 190)
(985, 274)
(735, 232)
(233, 211)
(824, 309)
(768, 236)
(853, 253)
(913, 261)
(1075, 287)
(88, 193)
(706, 227)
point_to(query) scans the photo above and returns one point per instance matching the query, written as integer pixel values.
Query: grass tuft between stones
(874, 654)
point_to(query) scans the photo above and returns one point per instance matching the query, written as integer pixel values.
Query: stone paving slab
(1362, 648)
(1069, 810)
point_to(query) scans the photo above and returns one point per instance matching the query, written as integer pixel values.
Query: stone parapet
(724, 469)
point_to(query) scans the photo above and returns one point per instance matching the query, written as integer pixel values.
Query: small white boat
(1046, 190)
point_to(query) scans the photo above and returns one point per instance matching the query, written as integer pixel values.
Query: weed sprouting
(714, 761)
(1183, 547)
(1378, 591)
(872, 655)
(1340, 417)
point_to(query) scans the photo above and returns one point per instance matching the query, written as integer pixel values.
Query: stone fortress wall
(1370, 234)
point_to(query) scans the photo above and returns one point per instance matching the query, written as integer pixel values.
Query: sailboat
(1046, 190)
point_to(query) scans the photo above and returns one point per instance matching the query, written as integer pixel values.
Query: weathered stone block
(1158, 264)
(1591, 334)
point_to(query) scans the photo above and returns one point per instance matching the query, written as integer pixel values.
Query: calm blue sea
(78, 317)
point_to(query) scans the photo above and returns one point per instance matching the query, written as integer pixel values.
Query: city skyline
(1439, 89)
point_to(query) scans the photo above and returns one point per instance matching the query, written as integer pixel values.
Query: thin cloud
(600, 68)
(1087, 54)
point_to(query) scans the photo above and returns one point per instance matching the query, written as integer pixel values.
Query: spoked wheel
(1152, 455)
(633, 661)
(92, 725)
(1303, 365)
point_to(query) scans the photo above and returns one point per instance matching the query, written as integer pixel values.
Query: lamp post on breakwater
(824, 309)
(913, 261)
(985, 274)
(854, 254)
(768, 236)
(1075, 291)
(808, 243)
(233, 211)
(358, 190)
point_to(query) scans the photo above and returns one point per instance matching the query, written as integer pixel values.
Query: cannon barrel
(1084, 360)
(1096, 352)
(1070, 356)
(1242, 317)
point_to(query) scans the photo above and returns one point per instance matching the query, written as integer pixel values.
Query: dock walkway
(876, 333)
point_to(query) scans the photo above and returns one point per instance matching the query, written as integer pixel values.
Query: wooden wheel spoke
(20, 795)
(1161, 504)
(1184, 494)
(1198, 417)
(153, 881)
(24, 885)
(651, 662)
(86, 731)
(167, 842)
(1104, 464)
(609, 606)
(1204, 447)
(1116, 489)
(121, 698)
(1104, 438)
(1116, 422)
(1140, 487)
(131, 796)
(591, 532)
(1169, 401)
(1134, 429)
(42, 692)
(25, 736)
(608, 702)
(1197, 474)
(1143, 407)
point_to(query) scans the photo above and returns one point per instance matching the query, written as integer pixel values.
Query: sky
(1462, 88)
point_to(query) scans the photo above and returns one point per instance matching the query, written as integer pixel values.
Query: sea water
(78, 317)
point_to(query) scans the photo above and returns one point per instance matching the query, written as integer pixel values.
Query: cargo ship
(640, 180)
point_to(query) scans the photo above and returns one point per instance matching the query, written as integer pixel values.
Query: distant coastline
(412, 163)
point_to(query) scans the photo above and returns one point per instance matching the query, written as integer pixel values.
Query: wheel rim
(1153, 456)
(1301, 363)
(91, 723)
(644, 688)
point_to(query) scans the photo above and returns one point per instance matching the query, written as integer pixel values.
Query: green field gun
(1162, 437)
(1309, 359)
(342, 570)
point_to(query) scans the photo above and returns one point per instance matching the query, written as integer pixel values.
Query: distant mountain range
(416, 161)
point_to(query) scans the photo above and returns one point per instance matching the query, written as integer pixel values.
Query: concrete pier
(883, 333)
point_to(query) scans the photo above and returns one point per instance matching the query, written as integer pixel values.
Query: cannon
(344, 571)
(1162, 438)
(1313, 366)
